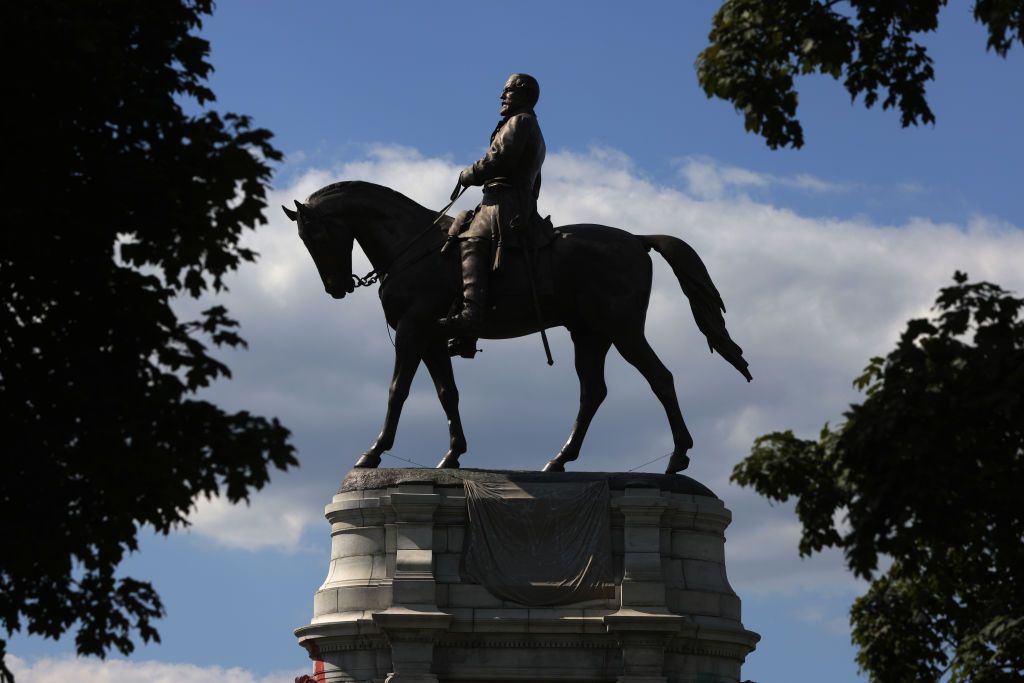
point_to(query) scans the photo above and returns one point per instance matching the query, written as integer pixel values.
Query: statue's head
(521, 92)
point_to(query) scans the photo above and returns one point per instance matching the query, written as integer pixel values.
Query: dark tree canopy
(757, 48)
(119, 202)
(929, 473)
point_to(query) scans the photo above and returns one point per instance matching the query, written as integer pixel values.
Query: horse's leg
(638, 353)
(408, 352)
(439, 364)
(591, 350)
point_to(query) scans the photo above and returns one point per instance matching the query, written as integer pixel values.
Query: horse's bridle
(381, 276)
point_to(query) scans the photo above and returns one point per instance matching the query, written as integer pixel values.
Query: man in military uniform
(510, 175)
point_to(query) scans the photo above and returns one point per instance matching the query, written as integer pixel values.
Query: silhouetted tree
(124, 191)
(928, 472)
(757, 48)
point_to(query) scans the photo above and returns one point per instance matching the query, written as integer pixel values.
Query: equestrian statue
(513, 274)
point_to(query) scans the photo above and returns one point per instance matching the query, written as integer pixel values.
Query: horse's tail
(705, 301)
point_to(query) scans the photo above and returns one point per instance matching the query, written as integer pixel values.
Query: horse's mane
(365, 189)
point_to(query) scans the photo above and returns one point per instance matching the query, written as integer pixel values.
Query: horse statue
(593, 279)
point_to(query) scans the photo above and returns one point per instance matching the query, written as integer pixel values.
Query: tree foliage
(756, 49)
(928, 472)
(127, 191)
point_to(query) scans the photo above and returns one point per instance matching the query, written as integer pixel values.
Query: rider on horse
(510, 175)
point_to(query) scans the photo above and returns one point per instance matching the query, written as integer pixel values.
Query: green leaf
(928, 471)
(137, 202)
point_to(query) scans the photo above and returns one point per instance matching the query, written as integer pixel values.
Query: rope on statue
(411, 462)
(451, 471)
(660, 457)
(455, 473)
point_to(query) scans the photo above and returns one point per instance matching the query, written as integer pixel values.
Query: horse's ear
(292, 215)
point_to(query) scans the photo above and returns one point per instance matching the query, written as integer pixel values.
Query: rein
(381, 276)
(366, 280)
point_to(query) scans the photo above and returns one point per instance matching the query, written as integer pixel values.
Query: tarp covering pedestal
(539, 544)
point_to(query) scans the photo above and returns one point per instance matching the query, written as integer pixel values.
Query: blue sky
(821, 254)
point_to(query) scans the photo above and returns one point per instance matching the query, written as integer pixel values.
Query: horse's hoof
(368, 461)
(677, 463)
(448, 462)
(553, 466)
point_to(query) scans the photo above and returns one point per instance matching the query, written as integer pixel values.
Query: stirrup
(464, 347)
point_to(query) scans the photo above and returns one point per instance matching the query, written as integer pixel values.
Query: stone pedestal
(395, 608)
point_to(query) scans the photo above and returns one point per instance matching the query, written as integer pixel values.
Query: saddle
(538, 235)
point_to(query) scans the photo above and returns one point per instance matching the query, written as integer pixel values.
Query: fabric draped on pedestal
(539, 544)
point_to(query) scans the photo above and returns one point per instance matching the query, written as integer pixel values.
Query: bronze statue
(510, 175)
(593, 279)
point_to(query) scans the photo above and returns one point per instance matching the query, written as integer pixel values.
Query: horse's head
(330, 244)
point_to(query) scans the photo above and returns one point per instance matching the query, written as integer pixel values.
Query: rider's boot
(476, 266)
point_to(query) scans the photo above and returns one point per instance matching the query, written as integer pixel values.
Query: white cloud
(805, 181)
(708, 179)
(86, 670)
(762, 558)
(809, 299)
(271, 521)
(910, 187)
